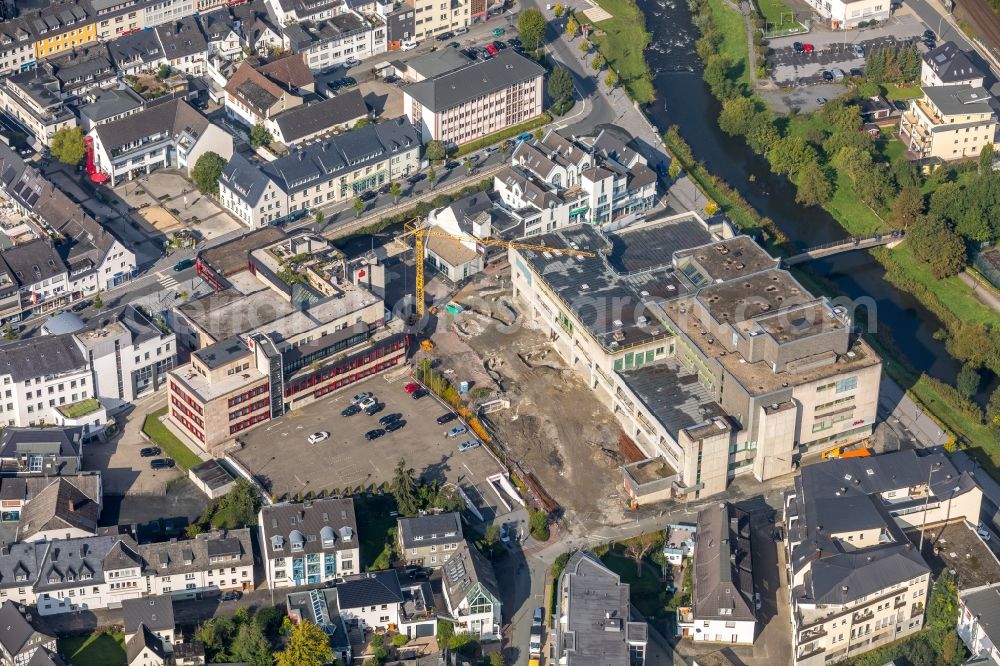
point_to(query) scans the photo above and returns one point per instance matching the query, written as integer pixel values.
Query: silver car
(468, 445)
(456, 431)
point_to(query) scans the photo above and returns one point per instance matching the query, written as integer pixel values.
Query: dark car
(513, 41)
(161, 463)
(367, 196)
(375, 409)
(419, 393)
(82, 305)
(183, 264)
(446, 418)
(929, 35)
(798, 47)
(392, 78)
(389, 418)
(499, 46)
(230, 596)
(351, 410)
(416, 178)
(150, 452)
(470, 53)
(395, 425)
(334, 85)
(445, 36)
(451, 165)
(827, 75)
(453, 45)
(348, 82)
(374, 434)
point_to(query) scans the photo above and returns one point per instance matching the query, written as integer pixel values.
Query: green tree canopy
(251, 646)
(572, 27)
(395, 190)
(598, 62)
(814, 187)
(404, 488)
(907, 207)
(206, 172)
(531, 26)
(934, 242)
(435, 150)
(736, 115)
(968, 381)
(560, 84)
(260, 136)
(942, 606)
(67, 145)
(790, 154)
(308, 645)
(238, 508)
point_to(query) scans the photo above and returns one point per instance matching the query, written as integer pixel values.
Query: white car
(409, 45)
(318, 437)
(367, 402)
(361, 396)
(467, 445)
(983, 534)
(504, 534)
(351, 62)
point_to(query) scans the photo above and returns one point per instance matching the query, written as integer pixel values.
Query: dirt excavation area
(555, 427)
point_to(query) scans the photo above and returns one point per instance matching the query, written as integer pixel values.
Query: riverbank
(622, 40)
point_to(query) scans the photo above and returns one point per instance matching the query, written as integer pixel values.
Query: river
(684, 100)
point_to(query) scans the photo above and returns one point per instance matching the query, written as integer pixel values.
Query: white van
(409, 45)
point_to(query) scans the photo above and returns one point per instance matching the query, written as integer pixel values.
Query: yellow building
(61, 27)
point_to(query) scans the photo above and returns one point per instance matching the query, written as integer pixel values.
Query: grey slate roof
(34, 261)
(474, 80)
(45, 657)
(110, 103)
(985, 603)
(139, 47)
(373, 589)
(308, 523)
(66, 562)
(465, 569)
(217, 24)
(590, 593)
(83, 66)
(181, 37)
(37, 357)
(172, 117)
(431, 529)
(245, 179)
(16, 633)
(59, 505)
(309, 119)
(956, 99)
(156, 613)
(723, 566)
(951, 63)
(144, 638)
(170, 557)
(64, 442)
(303, 35)
(20, 564)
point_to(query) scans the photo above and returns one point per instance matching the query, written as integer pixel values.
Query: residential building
(114, 18)
(432, 17)
(252, 97)
(875, 108)
(979, 622)
(471, 218)
(144, 648)
(321, 174)
(212, 562)
(155, 613)
(594, 617)
(291, 72)
(847, 14)
(32, 99)
(62, 507)
(183, 44)
(82, 70)
(40, 451)
(38, 276)
(948, 65)
(317, 120)
(17, 47)
(856, 581)
(477, 100)
(163, 11)
(722, 606)
(19, 564)
(59, 26)
(169, 134)
(320, 608)
(379, 601)
(106, 106)
(400, 25)
(137, 52)
(19, 641)
(948, 122)
(471, 593)
(429, 540)
(311, 542)
(297, 11)
(329, 42)
(39, 374)
(222, 32)
(700, 360)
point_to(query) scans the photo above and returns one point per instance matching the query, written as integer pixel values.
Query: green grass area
(623, 43)
(95, 650)
(895, 92)
(166, 440)
(734, 38)
(373, 512)
(954, 293)
(778, 14)
(502, 135)
(649, 595)
(852, 213)
(889, 146)
(80, 408)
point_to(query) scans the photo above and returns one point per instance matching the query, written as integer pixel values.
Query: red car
(492, 50)
(808, 48)
(412, 387)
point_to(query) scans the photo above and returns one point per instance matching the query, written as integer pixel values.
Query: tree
(67, 145)
(814, 188)
(572, 27)
(584, 47)
(492, 535)
(993, 409)
(538, 524)
(260, 136)
(952, 651)
(531, 25)
(163, 72)
(717, 77)
(558, 10)
(907, 207)
(238, 508)
(268, 619)
(215, 633)
(611, 80)
(206, 172)
(432, 177)
(435, 150)
(9, 333)
(320, 216)
(968, 381)
(404, 488)
(308, 645)
(598, 62)
(942, 606)
(98, 301)
(560, 85)
(468, 165)
(251, 646)
(736, 115)
(637, 547)
(396, 191)
(790, 154)
(496, 658)
(934, 242)
(359, 206)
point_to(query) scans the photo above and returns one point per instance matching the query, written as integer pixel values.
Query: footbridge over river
(891, 239)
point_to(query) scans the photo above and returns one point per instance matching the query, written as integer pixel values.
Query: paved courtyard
(169, 202)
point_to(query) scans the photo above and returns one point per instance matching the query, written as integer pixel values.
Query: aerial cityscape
(499, 332)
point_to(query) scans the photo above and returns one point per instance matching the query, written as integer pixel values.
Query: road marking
(471, 473)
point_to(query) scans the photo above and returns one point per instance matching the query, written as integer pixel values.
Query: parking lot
(279, 454)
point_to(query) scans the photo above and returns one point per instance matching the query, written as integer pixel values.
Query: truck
(535, 642)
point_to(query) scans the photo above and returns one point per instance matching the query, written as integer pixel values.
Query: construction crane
(421, 233)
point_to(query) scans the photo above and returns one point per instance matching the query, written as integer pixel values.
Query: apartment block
(949, 122)
(252, 97)
(432, 17)
(41, 451)
(978, 615)
(429, 540)
(715, 361)
(311, 542)
(477, 100)
(856, 580)
(379, 601)
(114, 18)
(32, 99)
(332, 41)
(948, 65)
(40, 374)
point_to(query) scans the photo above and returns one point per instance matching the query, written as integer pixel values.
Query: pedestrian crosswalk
(167, 281)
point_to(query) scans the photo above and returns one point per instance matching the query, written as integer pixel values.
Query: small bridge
(891, 239)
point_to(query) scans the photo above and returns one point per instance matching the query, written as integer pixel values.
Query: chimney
(72, 506)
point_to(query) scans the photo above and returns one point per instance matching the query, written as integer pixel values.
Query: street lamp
(934, 467)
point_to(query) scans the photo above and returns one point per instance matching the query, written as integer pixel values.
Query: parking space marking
(471, 473)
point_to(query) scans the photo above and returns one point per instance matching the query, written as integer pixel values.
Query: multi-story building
(594, 616)
(163, 11)
(252, 97)
(105, 106)
(40, 451)
(315, 121)
(471, 593)
(137, 52)
(856, 581)
(32, 99)
(169, 134)
(949, 122)
(20, 641)
(82, 70)
(114, 18)
(320, 608)
(429, 540)
(948, 65)
(432, 17)
(321, 174)
(380, 601)
(155, 613)
(212, 562)
(183, 45)
(477, 100)
(722, 606)
(59, 27)
(17, 47)
(311, 542)
(715, 361)
(335, 40)
(62, 507)
(39, 374)
(222, 32)
(978, 612)
(847, 14)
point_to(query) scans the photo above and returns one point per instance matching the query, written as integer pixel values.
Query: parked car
(827, 75)
(859, 51)
(348, 82)
(453, 45)
(416, 178)
(798, 47)
(456, 431)
(446, 418)
(361, 396)
(492, 50)
(389, 418)
(513, 41)
(983, 534)
(471, 54)
(230, 596)
(183, 264)
(334, 85)
(350, 410)
(419, 393)
(150, 452)
(467, 445)
(838, 74)
(82, 305)
(367, 195)
(374, 434)
(411, 387)
(821, 100)
(318, 437)
(351, 62)
(366, 401)
(393, 426)
(498, 32)
(539, 615)
(392, 78)
(409, 45)
(461, 31)
(161, 463)
(453, 164)
(929, 34)
(499, 46)
(808, 48)
(372, 410)
(445, 36)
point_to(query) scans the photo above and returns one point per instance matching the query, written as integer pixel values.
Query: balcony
(863, 616)
(899, 604)
(685, 615)
(811, 651)
(812, 634)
